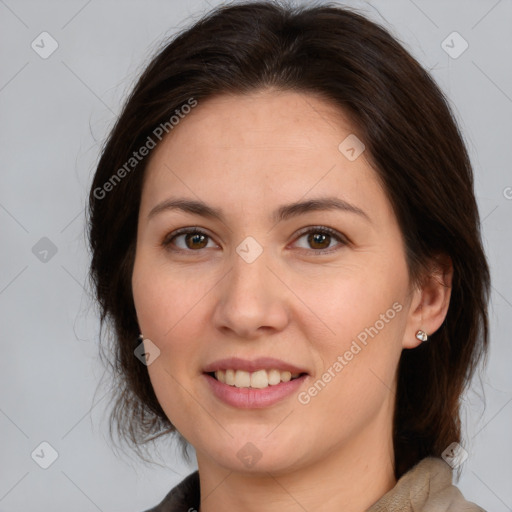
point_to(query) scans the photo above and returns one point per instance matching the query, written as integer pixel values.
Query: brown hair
(415, 147)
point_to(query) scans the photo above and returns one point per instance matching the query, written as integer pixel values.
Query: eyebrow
(282, 213)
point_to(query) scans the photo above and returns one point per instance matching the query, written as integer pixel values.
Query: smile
(253, 383)
(259, 379)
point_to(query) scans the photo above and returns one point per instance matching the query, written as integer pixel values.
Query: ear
(430, 301)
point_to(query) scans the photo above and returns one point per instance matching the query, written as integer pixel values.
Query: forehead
(271, 117)
(268, 146)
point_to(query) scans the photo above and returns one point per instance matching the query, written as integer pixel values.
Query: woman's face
(268, 284)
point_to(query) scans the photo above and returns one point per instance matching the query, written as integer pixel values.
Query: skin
(200, 302)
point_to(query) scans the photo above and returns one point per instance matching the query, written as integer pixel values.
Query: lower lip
(253, 398)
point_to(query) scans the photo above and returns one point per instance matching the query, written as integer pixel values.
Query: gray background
(55, 112)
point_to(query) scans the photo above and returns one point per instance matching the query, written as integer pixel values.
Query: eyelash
(312, 229)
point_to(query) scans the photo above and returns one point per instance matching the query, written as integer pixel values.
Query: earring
(140, 338)
(422, 335)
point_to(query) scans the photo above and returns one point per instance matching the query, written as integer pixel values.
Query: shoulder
(426, 487)
(184, 497)
(442, 494)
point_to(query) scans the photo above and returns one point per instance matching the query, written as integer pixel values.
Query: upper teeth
(259, 379)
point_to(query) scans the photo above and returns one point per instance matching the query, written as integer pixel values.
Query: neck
(351, 478)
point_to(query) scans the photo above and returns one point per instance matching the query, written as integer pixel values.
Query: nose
(251, 300)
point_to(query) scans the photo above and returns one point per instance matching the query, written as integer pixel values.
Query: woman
(286, 242)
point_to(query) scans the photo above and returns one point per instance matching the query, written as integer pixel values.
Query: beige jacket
(427, 487)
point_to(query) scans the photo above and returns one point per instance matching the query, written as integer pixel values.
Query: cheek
(164, 299)
(165, 310)
(343, 301)
(356, 377)
(365, 315)
(168, 305)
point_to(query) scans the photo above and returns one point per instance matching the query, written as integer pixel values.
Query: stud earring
(422, 336)
(140, 338)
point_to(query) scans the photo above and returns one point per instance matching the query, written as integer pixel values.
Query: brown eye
(195, 240)
(190, 240)
(318, 240)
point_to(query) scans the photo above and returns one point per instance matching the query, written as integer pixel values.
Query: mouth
(259, 379)
(253, 384)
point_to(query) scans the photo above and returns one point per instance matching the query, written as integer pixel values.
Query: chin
(255, 454)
